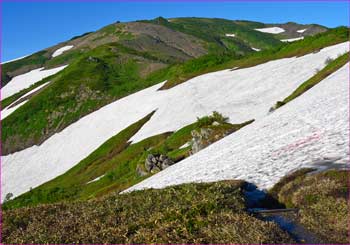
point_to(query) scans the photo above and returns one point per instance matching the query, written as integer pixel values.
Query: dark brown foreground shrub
(322, 199)
(190, 213)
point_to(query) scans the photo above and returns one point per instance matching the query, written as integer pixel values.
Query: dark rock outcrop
(156, 163)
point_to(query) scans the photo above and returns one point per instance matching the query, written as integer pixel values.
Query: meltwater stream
(287, 221)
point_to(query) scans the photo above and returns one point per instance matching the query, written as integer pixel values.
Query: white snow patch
(7, 111)
(26, 80)
(301, 31)
(35, 89)
(256, 49)
(314, 126)
(230, 35)
(14, 59)
(96, 179)
(242, 95)
(273, 30)
(61, 50)
(292, 39)
(185, 145)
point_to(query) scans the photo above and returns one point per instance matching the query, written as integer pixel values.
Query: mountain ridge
(179, 130)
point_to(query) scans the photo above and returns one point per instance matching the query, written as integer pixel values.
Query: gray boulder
(156, 163)
(149, 164)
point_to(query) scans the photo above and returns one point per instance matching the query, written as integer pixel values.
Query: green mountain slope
(176, 40)
(214, 32)
(170, 43)
(308, 45)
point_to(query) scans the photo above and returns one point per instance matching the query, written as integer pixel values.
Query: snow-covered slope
(241, 94)
(26, 80)
(301, 31)
(273, 30)
(308, 130)
(61, 50)
(292, 39)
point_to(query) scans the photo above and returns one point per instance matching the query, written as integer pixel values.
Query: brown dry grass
(190, 213)
(322, 200)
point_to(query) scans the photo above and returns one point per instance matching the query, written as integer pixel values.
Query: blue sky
(28, 27)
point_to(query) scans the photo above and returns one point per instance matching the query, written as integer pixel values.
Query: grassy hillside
(299, 48)
(99, 77)
(188, 41)
(191, 213)
(213, 31)
(116, 162)
(322, 199)
(191, 37)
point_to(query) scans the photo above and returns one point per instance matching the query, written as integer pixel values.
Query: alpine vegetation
(179, 130)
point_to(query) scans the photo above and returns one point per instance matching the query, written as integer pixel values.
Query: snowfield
(96, 179)
(7, 111)
(309, 130)
(256, 49)
(292, 39)
(242, 94)
(61, 50)
(273, 30)
(26, 80)
(230, 35)
(301, 31)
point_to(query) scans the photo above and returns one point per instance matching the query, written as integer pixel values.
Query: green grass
(330, 68)
(182, 72)
(322, 199)
(109, 73)
(9, 100)
(190, 213)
